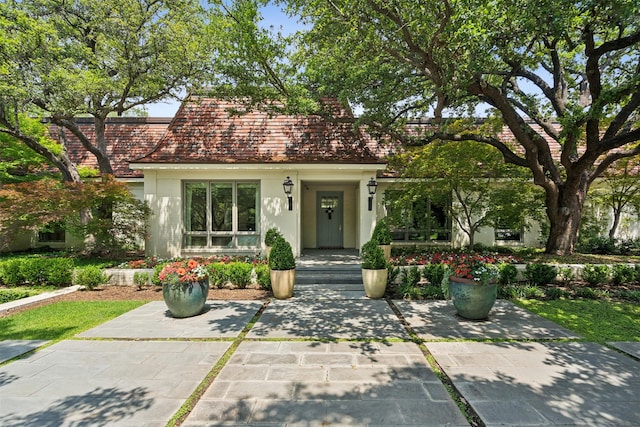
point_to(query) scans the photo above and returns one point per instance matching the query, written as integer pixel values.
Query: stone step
(328, 279)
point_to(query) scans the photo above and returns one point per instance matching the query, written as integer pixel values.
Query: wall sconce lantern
(371, 186)
(287, 185)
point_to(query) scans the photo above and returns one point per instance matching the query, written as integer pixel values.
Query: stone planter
(375, 282)
(282, 282)
(472, 300)
(185, 299)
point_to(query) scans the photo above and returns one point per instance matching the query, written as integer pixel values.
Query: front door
(329, 215)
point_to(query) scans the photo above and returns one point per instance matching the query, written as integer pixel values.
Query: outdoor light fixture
(288, 188)
(372, 185)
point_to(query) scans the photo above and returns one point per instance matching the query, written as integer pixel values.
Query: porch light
(287, 185)
(371, 186)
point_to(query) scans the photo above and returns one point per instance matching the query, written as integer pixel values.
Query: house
(217, 177)
(215, 180)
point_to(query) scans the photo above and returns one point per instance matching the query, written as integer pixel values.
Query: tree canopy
(563, 77)
(63, 59)
(473, 183)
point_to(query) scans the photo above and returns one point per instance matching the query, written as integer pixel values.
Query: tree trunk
(104, 163)
(564, 222)
(616, 221)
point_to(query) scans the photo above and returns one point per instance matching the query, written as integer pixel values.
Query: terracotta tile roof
(128, 138)
(206, 130)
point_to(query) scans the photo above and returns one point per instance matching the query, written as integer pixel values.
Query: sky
(273, 16)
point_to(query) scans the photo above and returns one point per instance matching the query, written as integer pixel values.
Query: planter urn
(185, 299)
(472, 300)
(375, 282)
(282, 282)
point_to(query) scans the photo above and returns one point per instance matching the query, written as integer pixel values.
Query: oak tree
(563, 77)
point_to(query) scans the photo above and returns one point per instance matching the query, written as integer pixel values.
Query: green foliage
(555, 293)
(263, 276)
(90, 276)
(435, 273)
(36, 271)
(508, 273)
(393, 273)
(596, 274)
(521, 291)
(381, 232)
(598, 321)
(8, 295)
(472, 174)
(155, 277)
(587, 292)
(217, 272)
(60, 272)
(281, 257)
(566, 275)
(540, 274)
(128, 53)
(10, 273)
(271, 235)
(239, 274)
(410, 276)
(633, 296)
(141, 279)
(446, 60)
(433, 292)
(31, 206)
(597, 245)
(623, 273)
(372, 256)
(17, 161)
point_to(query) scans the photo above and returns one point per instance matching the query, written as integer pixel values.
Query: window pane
(221, 240)
(247, 206)
(221, 207)
(52, 233)
(195, 206)
(195, 240)
(247, 241)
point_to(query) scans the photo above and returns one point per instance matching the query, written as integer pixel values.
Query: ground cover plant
(598, 321)
(62, 319)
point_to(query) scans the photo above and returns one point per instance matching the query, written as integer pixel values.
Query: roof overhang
(262, 166)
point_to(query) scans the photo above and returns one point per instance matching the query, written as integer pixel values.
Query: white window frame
(236, 237)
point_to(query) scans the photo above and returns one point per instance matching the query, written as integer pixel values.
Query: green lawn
(62, 319)
(595, 320)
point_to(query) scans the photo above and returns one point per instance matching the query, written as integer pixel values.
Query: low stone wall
(124, 276)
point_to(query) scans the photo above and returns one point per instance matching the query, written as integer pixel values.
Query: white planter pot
(282, 282)
(375, 282)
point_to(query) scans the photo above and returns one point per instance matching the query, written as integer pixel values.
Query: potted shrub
(374, 269)
(382, 235)
(185, 286)
(283, 269)
(270, 238)
(473, 288)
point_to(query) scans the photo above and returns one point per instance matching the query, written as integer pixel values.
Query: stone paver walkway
(312, 362)
(436, 320)
(343, 318)
(315, 383)
(12, 348)
(97, 383)
(544, 384)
